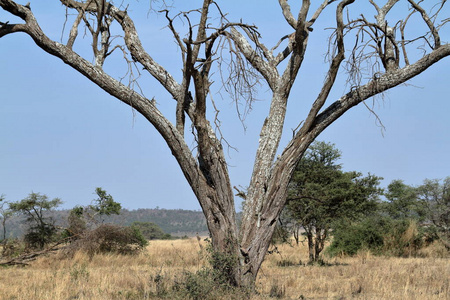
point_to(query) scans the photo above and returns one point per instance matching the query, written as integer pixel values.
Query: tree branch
(269, 72)
(333, 70)
(376, 86)
(433, 30)
(134, 44)
(286, 9)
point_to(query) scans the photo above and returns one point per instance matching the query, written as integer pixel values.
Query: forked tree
(374, 50)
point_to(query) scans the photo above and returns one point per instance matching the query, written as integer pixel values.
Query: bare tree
(378, 60)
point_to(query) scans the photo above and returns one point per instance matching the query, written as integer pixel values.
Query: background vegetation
(102, 251)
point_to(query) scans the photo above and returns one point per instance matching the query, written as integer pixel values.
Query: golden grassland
(157, 270)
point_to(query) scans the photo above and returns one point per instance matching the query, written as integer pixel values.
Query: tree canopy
(41, 226)
(320, 194)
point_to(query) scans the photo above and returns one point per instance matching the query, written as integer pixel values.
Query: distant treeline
(177, 222)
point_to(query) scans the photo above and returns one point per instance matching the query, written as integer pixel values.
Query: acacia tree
(35, 208)
(436, 197)
(378, 45)
(320, 194)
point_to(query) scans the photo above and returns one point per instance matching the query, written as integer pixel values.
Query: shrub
(380, 235)
(151, 231)
(12, 248)
(110, 238)
(39, 236)
(348, 239)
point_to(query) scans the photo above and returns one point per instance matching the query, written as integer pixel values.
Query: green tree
(436, 197)
(79, 217)
(402, 202)
(151, 231)
(41, 228)
(105, 204)
(320, 194)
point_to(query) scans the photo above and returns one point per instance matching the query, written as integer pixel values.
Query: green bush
(151, 231)
(348, 239)
(380, 235)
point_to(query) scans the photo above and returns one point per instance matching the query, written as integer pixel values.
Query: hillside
(177, 222)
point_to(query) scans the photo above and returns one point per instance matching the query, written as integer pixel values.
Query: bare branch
(286, 9)
(134, 45)
(378, 85)
(267, 71)
(74, 30)
(175, 33)
(333, 70)
(433, 30)
(316, 15)
(6, 28)
(403, 42)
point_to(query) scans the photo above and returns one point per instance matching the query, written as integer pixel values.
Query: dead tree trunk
(205, 168)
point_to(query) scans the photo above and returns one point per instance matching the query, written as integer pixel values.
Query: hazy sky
(63, 136)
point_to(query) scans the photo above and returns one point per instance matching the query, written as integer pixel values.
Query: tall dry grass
(154, 273)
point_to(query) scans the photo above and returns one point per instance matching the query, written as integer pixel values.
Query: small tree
(402, 202)
(41, 227)
(80, 216)
(320, 193)
(151, 231)
(76, 222)
(436, 197)
(5, 213)
(105, 204)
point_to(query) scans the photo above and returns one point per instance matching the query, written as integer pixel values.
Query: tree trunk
(311, 248)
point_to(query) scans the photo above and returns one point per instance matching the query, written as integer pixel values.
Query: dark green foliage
(223, 264)
(380, 233)
(402, 202)
(105, 204)
(320, 194)
(349, 238)
(151, 231)
(41, 228)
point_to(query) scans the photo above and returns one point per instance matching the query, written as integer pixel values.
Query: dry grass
(153, 273)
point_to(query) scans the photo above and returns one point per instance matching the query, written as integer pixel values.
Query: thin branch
(316, 15)
(264, 68)
(333, 70)
(433, 30)
(175, 33)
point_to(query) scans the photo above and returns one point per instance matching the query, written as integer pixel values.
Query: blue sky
(62, 136)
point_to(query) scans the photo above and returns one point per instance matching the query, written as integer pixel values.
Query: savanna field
(175, 269)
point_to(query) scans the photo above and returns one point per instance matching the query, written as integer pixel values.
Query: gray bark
(206, 172)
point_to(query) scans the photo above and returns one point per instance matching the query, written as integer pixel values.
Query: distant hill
(177, 222)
